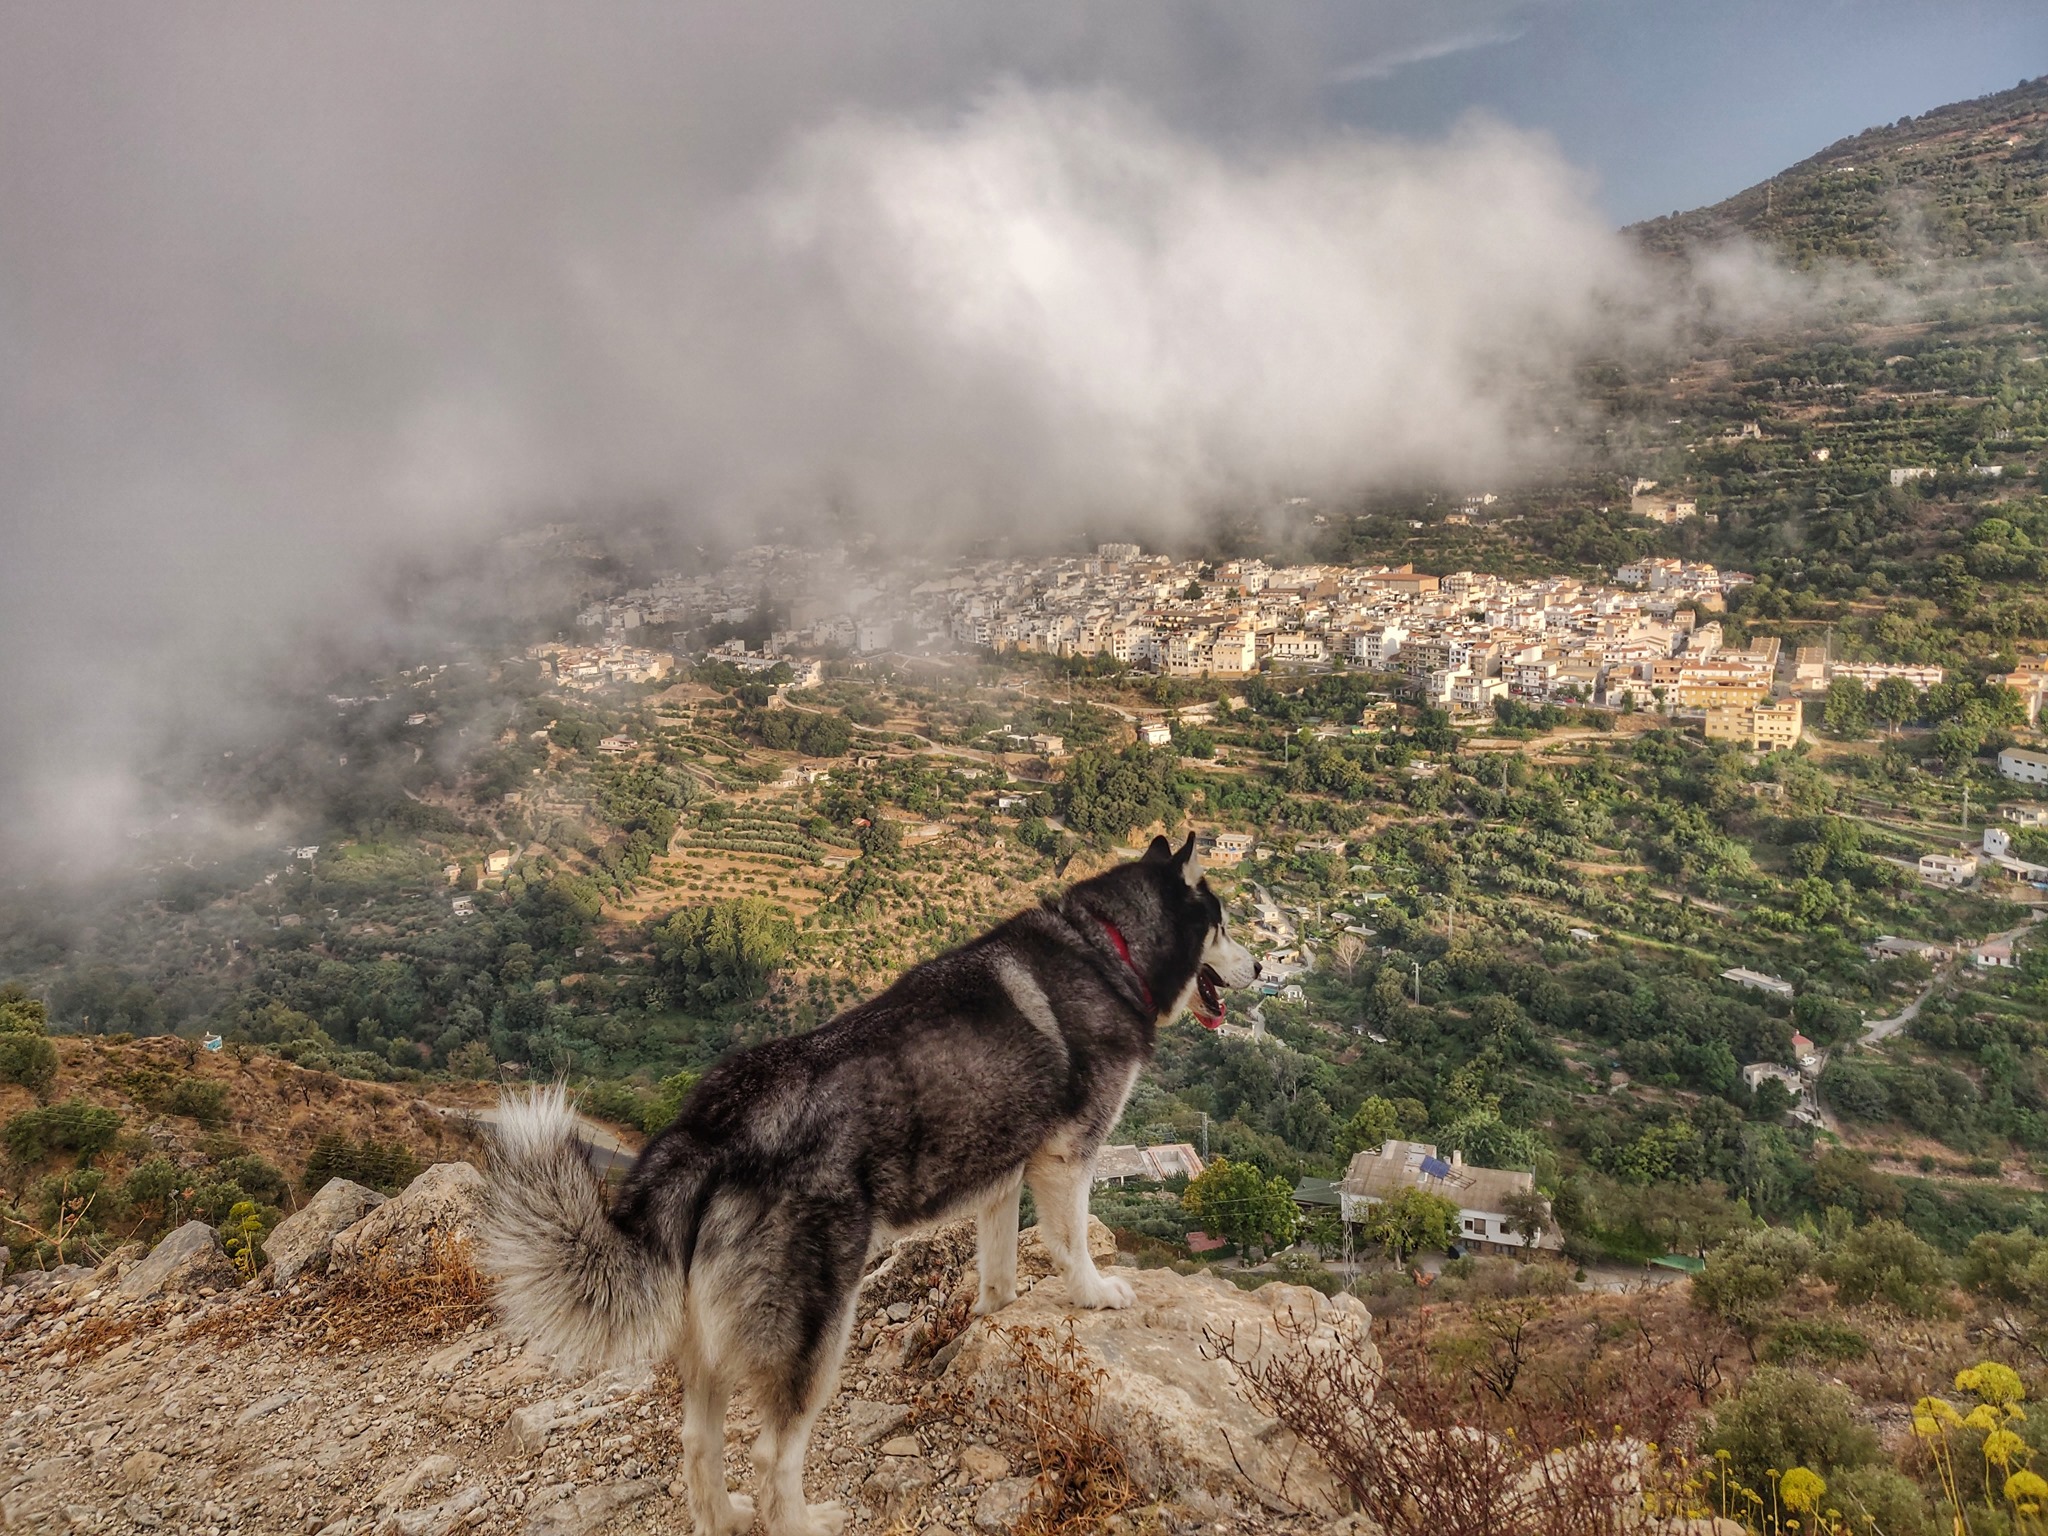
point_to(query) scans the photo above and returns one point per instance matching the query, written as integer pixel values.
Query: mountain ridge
(1967, 179)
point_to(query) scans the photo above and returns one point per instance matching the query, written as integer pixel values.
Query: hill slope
(1968, 179)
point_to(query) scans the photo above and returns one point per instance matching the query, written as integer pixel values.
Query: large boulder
(188, 1259)
(436, 1213)
(1175, 1413)
(301, 1243)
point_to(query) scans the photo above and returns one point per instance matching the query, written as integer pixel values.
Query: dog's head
(1206, 960)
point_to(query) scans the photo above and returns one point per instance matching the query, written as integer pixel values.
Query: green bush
(1885, 1260)
(1782, 1419)
(1881, 1499)
(154, 1189)
(264, 1181)
(163, 1091)
(1815, 1340)
(204, 1101)
(71, 1206)
(72, 1126)
(29, 1060)
(26, 1055)
(384, 1166)
(621, 1103)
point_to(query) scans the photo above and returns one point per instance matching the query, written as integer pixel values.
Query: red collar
(1124, 950)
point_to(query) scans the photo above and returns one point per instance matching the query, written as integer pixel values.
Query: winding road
(1884, 1029)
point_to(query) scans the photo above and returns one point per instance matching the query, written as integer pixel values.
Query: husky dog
(739, 1239)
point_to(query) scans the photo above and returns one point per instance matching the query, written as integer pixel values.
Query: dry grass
(1057, 1410)
(381, 1305)
(378, 1307)
(1412, 1454)
(94, 1336)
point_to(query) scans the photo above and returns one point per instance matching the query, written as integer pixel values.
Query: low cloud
(1053, 304)
(285, 309)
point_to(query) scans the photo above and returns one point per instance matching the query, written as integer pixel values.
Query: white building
(2023, 766)
(1948, 869)
(1759, 1072)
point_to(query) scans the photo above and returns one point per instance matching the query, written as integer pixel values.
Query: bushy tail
(570, 1281)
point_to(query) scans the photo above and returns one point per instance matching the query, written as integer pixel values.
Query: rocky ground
(361, 1387)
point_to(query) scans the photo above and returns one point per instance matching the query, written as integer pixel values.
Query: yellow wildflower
(1992, 1382)
(1802, 1488)
(2002, 1446)
(2026, 1489)
(1939, 1409)
(1983, 1416)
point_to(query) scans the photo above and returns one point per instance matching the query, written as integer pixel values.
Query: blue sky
(1673, 105)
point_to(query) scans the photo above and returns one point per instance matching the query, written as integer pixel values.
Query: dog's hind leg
(794, 1331)
(790, 1406)
(1061, 1182)
(995, 1245)
(706, 1391)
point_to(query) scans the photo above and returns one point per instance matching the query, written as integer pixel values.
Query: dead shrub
(1057, 1409)
(382, 1304)
(375, 1307)
(1428, 1455)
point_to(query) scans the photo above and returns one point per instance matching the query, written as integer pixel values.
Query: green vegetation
(1413, 1221)
(386, 1167)
(26, 1055)
(1236, 1202)
(72, 1126)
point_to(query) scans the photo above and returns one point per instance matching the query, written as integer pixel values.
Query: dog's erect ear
(1190, 862)
(1161, 852)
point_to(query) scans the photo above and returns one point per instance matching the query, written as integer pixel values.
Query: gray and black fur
(738, 1240)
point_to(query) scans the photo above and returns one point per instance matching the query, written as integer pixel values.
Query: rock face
(407, 1232)
(1184, 1428)
(301, 1243)
(189, 1259)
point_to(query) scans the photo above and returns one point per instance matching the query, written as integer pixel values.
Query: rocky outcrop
(187, 1260)
(265, 1413)
(301, 1243)
(1175, 1413)
(1171, 1410)
(412, 1230)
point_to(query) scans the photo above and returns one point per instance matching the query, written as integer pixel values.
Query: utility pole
(1205, 1136)
(1966, 807)
(1418, 983)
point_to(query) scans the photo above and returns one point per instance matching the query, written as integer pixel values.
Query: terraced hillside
(1965, 180)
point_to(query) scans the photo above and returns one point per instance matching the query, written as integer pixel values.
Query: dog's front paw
(738, 1515)
(993, 1300)
(1100, 1291)
(823, 1519)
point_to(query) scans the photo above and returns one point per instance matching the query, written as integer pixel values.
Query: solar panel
(1436, 1168)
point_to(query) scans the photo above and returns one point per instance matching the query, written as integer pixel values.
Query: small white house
(2023, 766)
(1948, 868)
(1997, 954)
(1759, 1072)
(1230, 847)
